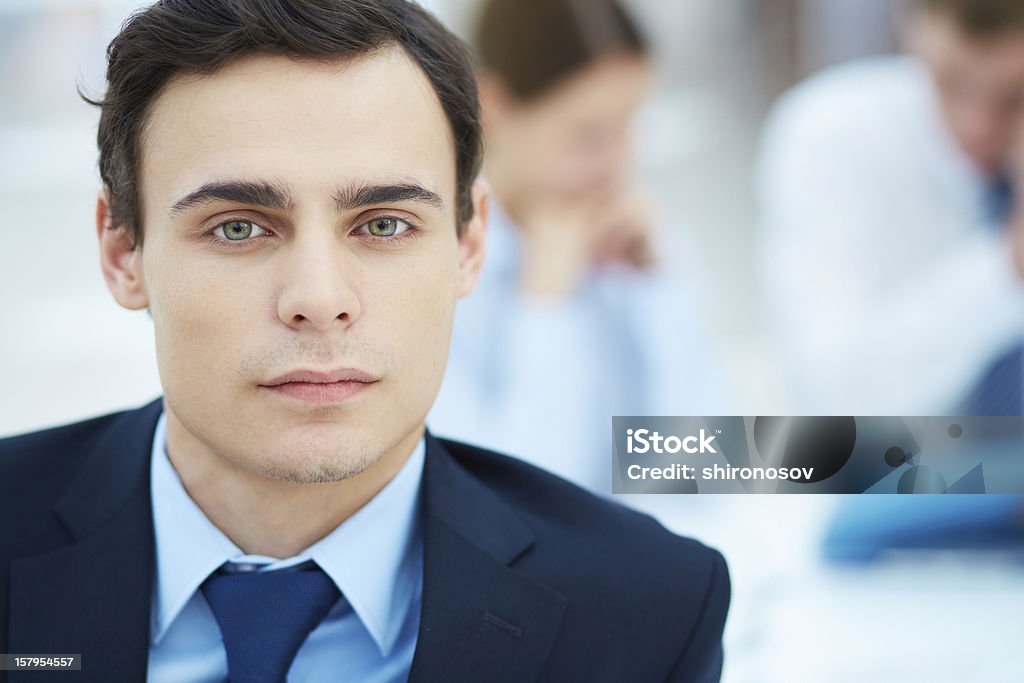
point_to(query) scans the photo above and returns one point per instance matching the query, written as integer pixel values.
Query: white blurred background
(69, 352)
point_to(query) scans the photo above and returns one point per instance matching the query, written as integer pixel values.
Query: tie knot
(265, 617)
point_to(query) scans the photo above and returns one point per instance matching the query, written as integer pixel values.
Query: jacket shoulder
(601, 533)
(51, 441)
(644, 603)
(37, 466)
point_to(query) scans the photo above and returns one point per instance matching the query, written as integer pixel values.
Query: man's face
(301, 217)
(980, 83)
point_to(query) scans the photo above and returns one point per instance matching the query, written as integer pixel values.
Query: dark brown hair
(534, 44)
(175, 37)
(982, 18)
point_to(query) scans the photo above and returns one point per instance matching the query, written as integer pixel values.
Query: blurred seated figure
(892, 266)
(867, 527)
(573, 321)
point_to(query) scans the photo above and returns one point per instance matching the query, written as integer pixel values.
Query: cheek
(553, 167)
(416, 312)
(201, 319)
(542, 154)
(577, 174)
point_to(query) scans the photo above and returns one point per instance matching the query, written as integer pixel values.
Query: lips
(314, 386)
(318, 377)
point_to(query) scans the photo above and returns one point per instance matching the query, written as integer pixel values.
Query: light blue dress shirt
(375, 558)
(541, 379)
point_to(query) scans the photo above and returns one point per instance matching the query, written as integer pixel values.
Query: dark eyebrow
(359, 196)
(256, 193)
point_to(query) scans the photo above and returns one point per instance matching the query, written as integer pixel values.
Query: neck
(271, 517)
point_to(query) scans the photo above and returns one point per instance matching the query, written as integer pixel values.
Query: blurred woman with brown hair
(571, 322)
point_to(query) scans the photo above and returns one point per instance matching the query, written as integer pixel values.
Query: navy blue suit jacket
(526, 577)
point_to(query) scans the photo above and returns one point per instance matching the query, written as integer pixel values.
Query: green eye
(237, 230)
(383, 227)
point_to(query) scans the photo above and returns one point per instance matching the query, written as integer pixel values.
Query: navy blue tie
(999, 197)
(1001, 390)
(265, 617)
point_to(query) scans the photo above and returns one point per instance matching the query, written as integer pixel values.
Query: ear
(121, 264)
(473, 241)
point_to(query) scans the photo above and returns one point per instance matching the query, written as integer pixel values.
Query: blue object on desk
(867, 526)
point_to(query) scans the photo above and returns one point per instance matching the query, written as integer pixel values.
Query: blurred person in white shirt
(892, 264)
(574, 320)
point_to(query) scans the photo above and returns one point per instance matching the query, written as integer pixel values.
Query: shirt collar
(374, 557)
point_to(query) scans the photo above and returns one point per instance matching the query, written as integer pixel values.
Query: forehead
(614, 85)
(308, 124)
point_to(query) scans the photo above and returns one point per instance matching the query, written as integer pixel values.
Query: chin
(315, 468)
(310, 453)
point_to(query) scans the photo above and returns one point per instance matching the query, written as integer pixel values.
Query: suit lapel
(93, 596)
(481, 620)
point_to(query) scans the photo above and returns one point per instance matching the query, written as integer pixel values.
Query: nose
(317, 291)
